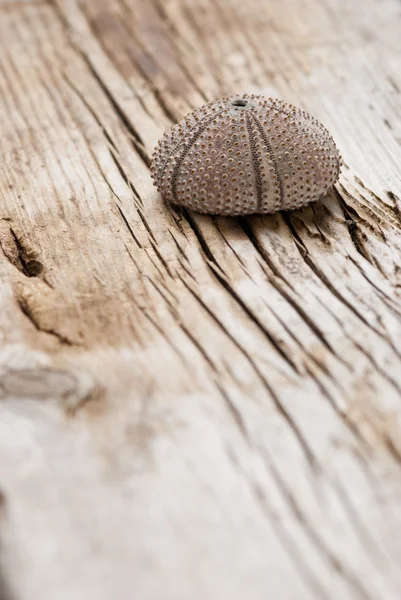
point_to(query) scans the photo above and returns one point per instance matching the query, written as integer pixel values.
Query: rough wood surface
(196, 408)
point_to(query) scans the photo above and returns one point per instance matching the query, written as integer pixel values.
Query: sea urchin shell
(245, 154)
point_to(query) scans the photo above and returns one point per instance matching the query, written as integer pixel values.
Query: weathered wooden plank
(196, 407)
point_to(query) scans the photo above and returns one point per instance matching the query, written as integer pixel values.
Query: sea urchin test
(245, 154)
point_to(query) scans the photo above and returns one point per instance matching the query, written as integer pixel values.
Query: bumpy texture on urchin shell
(245, 154)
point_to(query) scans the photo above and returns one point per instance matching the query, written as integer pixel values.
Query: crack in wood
(281, 531)
(128, 226)
(113, 148)
(224, 282)
(247, 228)
(215, 269)
(30, 314)
(357, 237)
(334, 560)
(137, 62)
(164, 17)
(21, 257)
(136, 139)
(323, 278)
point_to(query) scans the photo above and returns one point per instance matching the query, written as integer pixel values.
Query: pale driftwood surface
(196, 408)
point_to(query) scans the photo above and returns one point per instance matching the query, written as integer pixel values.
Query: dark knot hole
(239, 102)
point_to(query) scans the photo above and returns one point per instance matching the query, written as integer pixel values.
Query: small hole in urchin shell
(239, 102)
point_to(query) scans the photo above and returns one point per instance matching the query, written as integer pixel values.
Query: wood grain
(196, 407)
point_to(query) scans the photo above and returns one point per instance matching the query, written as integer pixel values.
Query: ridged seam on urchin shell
(185, 151)
(256, 162)
(284, 158)
(180, 142)
(271, 154)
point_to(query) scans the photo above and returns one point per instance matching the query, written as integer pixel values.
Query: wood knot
(33, 268)
(38, 383)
